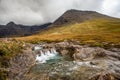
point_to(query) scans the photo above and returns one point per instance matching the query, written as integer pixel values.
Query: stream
(46, 56)
(52, 65)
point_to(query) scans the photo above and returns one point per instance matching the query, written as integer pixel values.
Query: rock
(64, 52)
(91, 53)
(94, 62)
(20, 64)
(104, 76)
(87, 63)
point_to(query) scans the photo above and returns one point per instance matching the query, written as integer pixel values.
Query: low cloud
(36, 12)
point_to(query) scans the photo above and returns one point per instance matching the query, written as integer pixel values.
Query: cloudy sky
(36, 12)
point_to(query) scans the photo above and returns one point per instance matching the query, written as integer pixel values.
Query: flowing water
(46, 55)
(52, 64)
(50, 61)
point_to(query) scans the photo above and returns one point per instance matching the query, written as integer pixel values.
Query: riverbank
(78, 63)
(75, 62)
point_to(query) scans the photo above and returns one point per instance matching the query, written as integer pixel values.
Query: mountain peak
(11, 23)
(77, 16)
(80, 11)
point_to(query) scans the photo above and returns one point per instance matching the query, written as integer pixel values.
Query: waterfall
(45, 54)
(37, 48)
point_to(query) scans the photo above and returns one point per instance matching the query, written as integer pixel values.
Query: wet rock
(92, 53)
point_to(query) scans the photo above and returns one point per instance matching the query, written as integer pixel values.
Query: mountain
(76, 16)
(12, 29)
(84, 26)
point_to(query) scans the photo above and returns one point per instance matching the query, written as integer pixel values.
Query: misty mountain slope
(90, 27)
(12, 29)
(75, 16)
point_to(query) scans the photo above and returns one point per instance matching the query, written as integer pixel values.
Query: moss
(3, 75)
(97, 44)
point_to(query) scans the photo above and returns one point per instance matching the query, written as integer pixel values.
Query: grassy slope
(97, 30)
(7, 50)
(94, 32)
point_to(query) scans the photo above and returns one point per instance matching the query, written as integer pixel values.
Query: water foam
(44, 56)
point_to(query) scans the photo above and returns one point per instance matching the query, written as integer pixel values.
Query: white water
(37, 48)
(44, 56)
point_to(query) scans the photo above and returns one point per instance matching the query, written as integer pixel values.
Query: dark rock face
(77, 16)
(12, 29)
(20, 64)
(11, 24)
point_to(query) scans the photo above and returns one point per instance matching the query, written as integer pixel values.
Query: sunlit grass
(95, 32)
(9, 49)
(98, 32)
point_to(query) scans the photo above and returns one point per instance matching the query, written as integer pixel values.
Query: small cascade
(37, 48)
(45, 55)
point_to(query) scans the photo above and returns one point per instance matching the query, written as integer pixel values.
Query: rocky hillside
(84, 26)
(76, 16)
(12, 29)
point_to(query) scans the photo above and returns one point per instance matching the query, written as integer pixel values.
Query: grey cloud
(111, 7)
(35, 12)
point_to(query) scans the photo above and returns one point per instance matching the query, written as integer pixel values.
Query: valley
(79, 45)
(86, 27)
